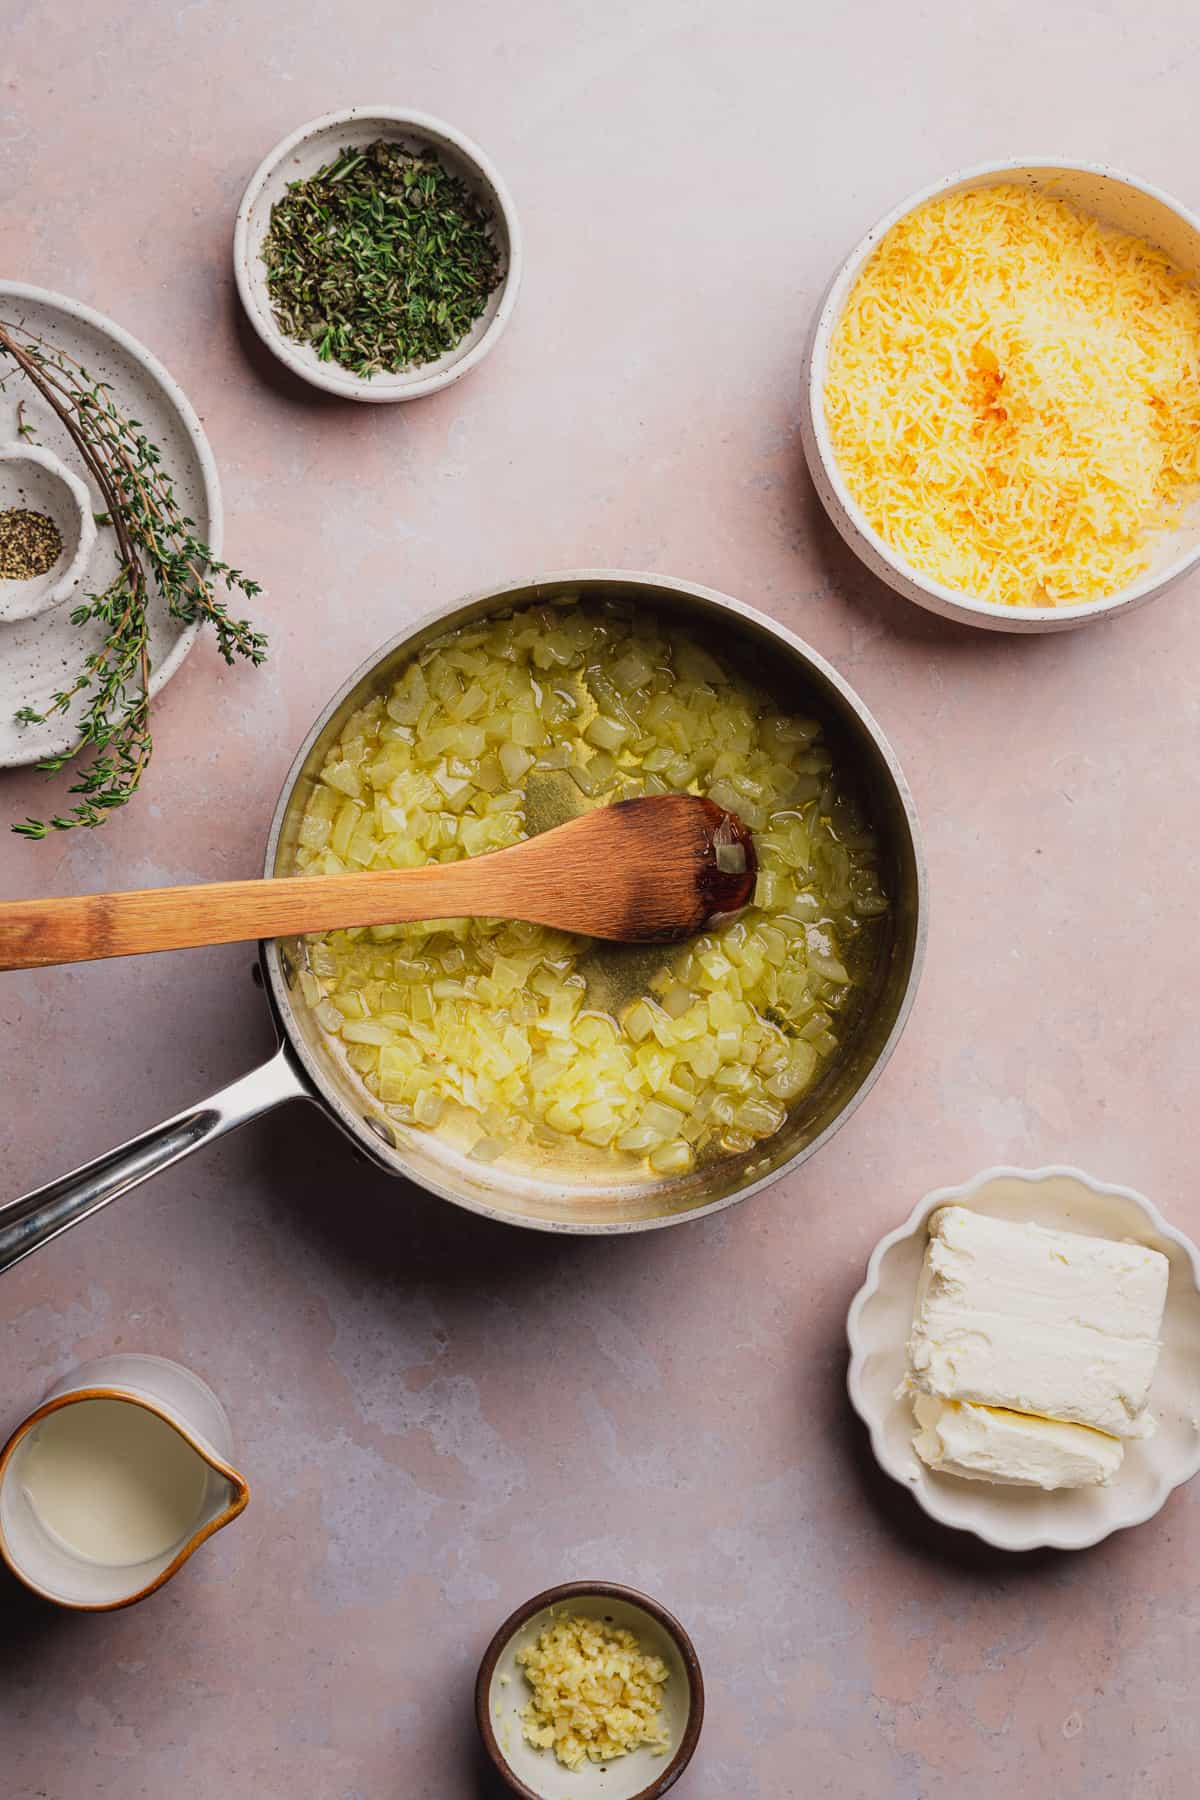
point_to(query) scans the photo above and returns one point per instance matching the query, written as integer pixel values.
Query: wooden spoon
(644, 871)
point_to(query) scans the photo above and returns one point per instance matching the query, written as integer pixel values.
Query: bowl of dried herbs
(377, 253)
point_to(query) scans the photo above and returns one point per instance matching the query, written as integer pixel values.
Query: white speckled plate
(1012, 1518)
(38, 656)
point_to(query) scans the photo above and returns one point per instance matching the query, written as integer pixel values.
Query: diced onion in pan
(487, 1031)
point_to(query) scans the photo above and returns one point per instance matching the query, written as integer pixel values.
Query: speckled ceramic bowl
(501, 1692)
(34, 480)
(1012, 1518)
(310, 148)
(1117, 199)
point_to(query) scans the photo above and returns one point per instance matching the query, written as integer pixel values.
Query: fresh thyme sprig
(158, 551)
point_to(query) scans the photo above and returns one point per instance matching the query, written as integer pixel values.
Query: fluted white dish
(1012, 1518)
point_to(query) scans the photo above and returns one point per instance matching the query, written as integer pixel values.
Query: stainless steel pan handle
(28, 1223)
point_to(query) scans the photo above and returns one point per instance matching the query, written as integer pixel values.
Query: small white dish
(1012, 1518)
(34, 480)
(1117, 199)
(310, 148)
(502, 1692)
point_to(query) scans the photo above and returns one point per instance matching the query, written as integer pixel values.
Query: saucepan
(306, 1067)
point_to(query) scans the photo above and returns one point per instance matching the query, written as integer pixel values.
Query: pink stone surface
(436, 1417)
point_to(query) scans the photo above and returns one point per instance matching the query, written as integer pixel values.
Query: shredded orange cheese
(1013, 396)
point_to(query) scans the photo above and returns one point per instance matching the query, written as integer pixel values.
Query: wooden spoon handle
(643, 871)
(84, 927)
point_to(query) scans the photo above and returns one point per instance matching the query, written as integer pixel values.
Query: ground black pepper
(30, 544)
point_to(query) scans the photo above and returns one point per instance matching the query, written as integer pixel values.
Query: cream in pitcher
(112, 1482)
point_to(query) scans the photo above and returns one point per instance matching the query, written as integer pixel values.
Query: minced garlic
(1013, 396)
(596, 1693)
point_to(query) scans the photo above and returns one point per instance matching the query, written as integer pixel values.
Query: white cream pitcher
(114, 1480)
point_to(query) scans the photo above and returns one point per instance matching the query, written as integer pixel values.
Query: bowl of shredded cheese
(590, 1686)
(1002, 396)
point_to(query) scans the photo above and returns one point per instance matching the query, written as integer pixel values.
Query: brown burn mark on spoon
(700, 870)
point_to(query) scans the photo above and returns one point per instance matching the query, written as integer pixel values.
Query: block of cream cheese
(986, 1443)
(1013, 1315)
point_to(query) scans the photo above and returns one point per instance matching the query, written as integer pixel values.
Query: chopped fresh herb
(381, 261)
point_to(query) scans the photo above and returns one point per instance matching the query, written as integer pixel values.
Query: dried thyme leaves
(30, 544)
(381, 261)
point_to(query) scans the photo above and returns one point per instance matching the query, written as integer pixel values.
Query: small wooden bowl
(501, 1692)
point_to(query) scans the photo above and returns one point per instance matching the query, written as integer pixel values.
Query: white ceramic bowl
(35, 480)
(1013, 1518)
(310, 148)
(1121, 200)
